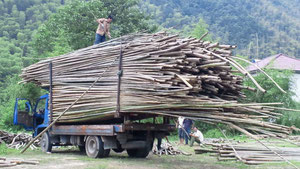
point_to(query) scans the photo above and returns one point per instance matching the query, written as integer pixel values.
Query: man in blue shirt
(187, 125)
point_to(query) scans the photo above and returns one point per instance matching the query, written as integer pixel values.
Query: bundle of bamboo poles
(17, 141)
(168, 149)
(251, 153)
(161, 75)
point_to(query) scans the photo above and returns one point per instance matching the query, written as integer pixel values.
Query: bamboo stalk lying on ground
(162, 74)
(6, 162)
(251, 153)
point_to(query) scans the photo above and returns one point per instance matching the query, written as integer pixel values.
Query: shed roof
(279, 61)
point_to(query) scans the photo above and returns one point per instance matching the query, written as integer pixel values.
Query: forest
(31, 30)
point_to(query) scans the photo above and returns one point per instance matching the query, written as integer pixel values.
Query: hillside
(274, 24)
(18, 21)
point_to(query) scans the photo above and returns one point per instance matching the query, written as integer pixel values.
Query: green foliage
(8, 97)
(18, 20)
(273, 94)
(10, 61)
(213, 133)
(74, 25)
(283, 78)
(274, 24)
(200, 29)
(290, 119)
(5, 150)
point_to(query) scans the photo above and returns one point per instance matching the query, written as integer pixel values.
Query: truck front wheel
(45, 143)
(94, 147)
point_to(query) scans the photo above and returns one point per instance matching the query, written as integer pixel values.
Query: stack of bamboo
(168, 149)
(252, 153)
(17, 141)
(162, 75)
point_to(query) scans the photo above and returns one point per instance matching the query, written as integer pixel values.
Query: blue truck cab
(35, 119)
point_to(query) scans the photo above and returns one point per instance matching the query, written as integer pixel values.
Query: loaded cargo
(138, 77)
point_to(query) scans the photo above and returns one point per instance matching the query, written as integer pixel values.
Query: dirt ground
(72, 158)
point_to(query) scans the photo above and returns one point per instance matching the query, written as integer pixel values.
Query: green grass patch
(4, 150)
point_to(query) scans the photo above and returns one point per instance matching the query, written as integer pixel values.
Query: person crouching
(197, 136)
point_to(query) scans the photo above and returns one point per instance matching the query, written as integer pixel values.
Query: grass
(4, 150)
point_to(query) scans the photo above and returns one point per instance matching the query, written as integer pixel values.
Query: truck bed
(108, 129)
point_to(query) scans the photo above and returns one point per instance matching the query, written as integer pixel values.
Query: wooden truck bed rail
(108, 130)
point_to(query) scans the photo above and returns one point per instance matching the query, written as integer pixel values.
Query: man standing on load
(103, 29)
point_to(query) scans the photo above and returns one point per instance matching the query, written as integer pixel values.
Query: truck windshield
(40, 108)
(24, 106)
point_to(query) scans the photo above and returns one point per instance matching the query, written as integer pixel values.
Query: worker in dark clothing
(187, 125)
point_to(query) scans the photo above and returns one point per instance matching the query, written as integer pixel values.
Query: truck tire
(106, 153)
(141, 152)
(82, 148)
(94, 147)
(45, 143)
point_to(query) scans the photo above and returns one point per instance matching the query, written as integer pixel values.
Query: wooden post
(120, 73)
(51, 94)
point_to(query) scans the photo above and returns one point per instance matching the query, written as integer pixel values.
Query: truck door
(23, 113)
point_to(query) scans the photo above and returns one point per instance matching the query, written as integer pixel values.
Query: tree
(273, 94)
(76, 22)
(201, 28)
(10, 63)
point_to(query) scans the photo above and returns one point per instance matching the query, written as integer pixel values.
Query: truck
(130, 132)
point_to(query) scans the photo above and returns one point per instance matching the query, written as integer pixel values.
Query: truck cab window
(24, 106)
(41, 106)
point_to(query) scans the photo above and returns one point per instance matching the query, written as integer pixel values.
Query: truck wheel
(141, 152)
(81, 149)
(45, 143)
(94, 147)
(106, 153)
